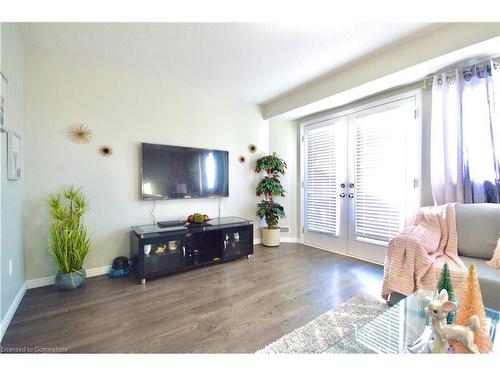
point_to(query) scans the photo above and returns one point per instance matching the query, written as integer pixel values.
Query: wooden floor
(235, 307)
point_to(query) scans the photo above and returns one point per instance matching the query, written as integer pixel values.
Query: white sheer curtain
(480, 128)
(465, 135)
(446, 158)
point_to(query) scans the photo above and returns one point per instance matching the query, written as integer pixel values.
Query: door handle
(351, 195)
(342, 195)
(184, 251)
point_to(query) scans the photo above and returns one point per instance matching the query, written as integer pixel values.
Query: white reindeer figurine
(438, 310)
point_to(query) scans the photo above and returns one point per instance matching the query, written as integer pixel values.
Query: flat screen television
(175, 172)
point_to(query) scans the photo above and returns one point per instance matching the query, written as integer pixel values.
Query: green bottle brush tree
(445, 283)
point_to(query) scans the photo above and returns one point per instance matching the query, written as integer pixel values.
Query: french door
(361, 177)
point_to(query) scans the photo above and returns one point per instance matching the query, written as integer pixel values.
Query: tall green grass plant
(69, 240)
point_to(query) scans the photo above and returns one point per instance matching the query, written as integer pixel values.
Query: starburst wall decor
(79, 133)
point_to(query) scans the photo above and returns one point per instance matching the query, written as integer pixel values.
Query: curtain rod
(427, 81)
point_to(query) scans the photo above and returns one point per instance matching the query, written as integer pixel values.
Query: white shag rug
(321, 333)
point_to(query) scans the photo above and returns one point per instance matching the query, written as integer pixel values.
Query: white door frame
(417, 94)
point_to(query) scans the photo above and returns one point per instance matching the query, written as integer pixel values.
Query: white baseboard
(49, 280)
(290, 239)
(12, 310)
(344, 254)
(42, 281)
(98, 271)
(258, 241)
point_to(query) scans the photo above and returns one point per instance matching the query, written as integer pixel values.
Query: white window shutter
(380, 172)
(321, 192)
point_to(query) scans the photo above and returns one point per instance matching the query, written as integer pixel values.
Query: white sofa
(478, 229)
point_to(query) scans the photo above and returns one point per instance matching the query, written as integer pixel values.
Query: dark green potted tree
(69, 240)
(269, 188)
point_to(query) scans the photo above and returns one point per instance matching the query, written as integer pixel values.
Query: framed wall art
(13, 155)
(3, 101)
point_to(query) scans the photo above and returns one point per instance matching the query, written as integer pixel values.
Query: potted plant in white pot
(270, 187)
(69, 240)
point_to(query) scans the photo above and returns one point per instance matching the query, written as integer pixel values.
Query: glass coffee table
(403, 328)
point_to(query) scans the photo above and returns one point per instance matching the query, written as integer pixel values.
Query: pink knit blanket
(415, 256)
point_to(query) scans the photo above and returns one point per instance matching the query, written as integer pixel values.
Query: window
(321, 179)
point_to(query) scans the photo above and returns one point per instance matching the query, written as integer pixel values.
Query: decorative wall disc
(242, 159)
(252, 148)
(79, 133)
(106, 150)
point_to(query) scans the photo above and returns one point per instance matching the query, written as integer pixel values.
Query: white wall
(123, 109)
(11, 191)
(283, 139)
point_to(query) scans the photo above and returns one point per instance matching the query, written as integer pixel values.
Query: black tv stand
(159, 251)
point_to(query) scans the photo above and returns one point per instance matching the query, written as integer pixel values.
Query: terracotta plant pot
(271, 237)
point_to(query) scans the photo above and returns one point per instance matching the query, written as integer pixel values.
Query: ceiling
(254, 62)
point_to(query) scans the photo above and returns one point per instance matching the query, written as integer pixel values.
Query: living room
(200, 187)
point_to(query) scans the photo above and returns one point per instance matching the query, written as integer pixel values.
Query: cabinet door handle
(225, 244)
(184, 251)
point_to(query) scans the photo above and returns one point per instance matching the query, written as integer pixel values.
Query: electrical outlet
(11, 267)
